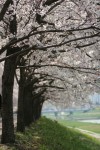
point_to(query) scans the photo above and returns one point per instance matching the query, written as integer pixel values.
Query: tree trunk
(32, 106)
(39, 99)
(20, 114)
(37, 108)
(28, 105)
(7, 98)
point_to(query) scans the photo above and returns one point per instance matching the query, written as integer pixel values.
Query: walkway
(90, 133)
(93, 134)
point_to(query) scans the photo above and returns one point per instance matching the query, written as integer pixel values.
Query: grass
(82, 125)
(50, 135)
(47, 134)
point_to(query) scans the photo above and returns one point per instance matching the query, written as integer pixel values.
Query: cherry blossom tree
(62, 35)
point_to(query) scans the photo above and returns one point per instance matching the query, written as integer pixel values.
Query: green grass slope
(46, 134)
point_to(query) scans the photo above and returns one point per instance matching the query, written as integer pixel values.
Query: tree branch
(60, 66)
(4, 9)
(46, 31)
(49, 86)
(49, 46)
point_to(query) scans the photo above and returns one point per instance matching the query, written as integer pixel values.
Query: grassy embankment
(46, 134)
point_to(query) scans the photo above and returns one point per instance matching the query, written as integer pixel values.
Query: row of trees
(52, 48)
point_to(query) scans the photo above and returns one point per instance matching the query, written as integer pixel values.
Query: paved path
(93, 134)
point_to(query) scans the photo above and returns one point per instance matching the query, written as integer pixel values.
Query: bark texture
(7, 98)
(20, 114)
(28, 105)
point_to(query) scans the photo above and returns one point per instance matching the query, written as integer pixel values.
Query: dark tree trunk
(28, 105)
(20, 114)
(37, 108)
(32, 106)
(7, 98)
(38, 103)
